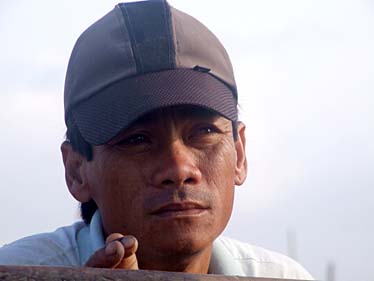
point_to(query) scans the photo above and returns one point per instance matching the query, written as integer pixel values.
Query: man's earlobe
(241, 159)
(74, 173)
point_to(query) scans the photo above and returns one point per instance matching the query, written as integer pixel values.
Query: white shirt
(73, 245)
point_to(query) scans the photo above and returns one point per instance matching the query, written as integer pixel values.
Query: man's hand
(119, 252)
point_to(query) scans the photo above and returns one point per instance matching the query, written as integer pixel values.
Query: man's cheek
(218, 164)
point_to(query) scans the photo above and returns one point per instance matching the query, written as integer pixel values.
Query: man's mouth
(176, 210)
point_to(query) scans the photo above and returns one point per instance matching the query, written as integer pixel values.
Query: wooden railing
(48, 273)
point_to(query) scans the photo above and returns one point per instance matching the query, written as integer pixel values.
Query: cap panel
(197, 45)
(95, 64)
(150, 34)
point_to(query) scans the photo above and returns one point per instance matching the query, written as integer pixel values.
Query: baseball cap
(140, 57)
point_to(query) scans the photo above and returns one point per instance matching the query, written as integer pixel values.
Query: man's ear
(74, 173)
(241, 159)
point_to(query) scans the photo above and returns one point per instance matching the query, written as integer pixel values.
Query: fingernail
(128, 241)
(110, 249)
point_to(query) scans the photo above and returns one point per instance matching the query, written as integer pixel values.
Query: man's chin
(187, 240)
(178, 248)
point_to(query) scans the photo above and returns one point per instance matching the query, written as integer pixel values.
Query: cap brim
(105, 114)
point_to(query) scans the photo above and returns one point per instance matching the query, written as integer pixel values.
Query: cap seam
(175, 39)
(137, 58)
(124, 35)
(169, 33)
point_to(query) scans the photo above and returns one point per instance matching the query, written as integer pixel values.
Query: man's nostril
(167, 182)
(189, 180)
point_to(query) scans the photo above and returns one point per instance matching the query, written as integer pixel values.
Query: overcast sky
(304, 71)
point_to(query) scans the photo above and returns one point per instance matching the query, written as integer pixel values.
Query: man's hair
(80, 145)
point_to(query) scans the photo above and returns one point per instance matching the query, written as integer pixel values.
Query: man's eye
(134, 140)
(203, 131)
(206, 130)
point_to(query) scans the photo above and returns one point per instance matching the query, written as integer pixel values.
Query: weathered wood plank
(48, 273)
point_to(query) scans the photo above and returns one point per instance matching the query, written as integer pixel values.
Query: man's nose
(177, 167)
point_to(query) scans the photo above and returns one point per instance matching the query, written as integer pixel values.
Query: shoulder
(259, 262)
(54, 248)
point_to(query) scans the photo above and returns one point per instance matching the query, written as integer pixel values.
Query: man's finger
(129, 261)
(119, 252)
(108, 257)
(130, 245)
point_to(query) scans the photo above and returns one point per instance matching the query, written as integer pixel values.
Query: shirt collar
(90, 238)
(222, 261)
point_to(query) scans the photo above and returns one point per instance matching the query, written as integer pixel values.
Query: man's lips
(179, 209)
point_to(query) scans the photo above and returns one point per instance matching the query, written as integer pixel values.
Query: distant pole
(291, 244)
(330, 271)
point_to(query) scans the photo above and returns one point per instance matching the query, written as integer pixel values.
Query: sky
(304, 71)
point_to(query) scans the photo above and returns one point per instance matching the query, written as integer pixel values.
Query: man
(154, 150)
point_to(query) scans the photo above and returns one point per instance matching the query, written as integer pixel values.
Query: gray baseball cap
(139, 57)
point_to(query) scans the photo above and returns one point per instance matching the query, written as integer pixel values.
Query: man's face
(168, 180)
